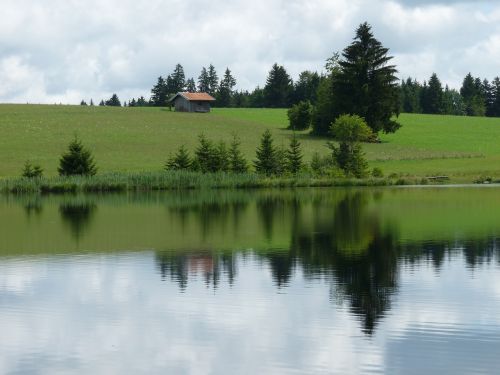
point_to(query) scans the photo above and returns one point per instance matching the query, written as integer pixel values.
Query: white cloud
(68, 50)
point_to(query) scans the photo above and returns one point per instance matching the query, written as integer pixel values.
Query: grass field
(140, 139)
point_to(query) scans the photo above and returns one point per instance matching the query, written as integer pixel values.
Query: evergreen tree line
(279, 91)
(476, 97)
(212, 157)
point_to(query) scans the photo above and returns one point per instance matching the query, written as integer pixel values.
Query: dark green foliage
(350, 131)
(432, 96)
(210, 158)
(101, 103)
(177, 80)
(113, 101)
(141, 102)
(180, 161)
(473, 96)
(281, 161)
(190, 85)
(237, 162)
(452, 102)
(410, 96)
(203, 81)
(225, 91)
(213, 80)
(377, 173)
(256, 98)
(159, 93)
(278, 88)
(77, 161)
(300, 116)
(83, 102)
(204, 155)
(323, 114)
(495, 105)
(325, 166)
(221, 158)
(91, 103)
(306, 88)
(267, 159)
(294, 156)
(32, 170)
(366, 84)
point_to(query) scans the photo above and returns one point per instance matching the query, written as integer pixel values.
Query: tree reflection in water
(77, 215)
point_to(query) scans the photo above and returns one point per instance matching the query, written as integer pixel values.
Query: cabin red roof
(195, 96)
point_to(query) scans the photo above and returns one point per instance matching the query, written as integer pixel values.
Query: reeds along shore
(179, 180)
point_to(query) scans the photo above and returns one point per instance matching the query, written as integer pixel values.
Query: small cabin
(192, 101)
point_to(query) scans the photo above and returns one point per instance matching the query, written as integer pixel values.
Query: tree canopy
(366, 84)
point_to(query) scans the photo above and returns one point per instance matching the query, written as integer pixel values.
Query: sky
(63, 51)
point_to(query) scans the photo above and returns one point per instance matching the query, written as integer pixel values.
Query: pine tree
(237, 161)
(101, 103)
(204, 154)
(306, 88)
(159, 93)
(190, 85)
(178, 80)
(213, 80)
(77, 161)
(473, 96)
(91, 103)
(113, 101)
(32, 171)
(225, 91)
(266, 162)
(203, 81)
(83, 102)
(141, 102)
(489, 98)
(434, 96)
(495, 111)
(366, 84)
(410, 96)
(294, 156)
(220, 160)
(180, 161)
(278, 88)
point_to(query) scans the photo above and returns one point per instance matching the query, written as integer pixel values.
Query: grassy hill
(139, 139)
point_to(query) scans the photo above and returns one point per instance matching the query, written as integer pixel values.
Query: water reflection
(77, 216)
(179, 267)
(391, 281)
(339, 236)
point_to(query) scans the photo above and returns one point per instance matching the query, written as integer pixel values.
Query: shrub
(180, 161)
(300, 116)
(350, 130)
(77, 161)
(32, 170)
(377, 173)
(325, 166)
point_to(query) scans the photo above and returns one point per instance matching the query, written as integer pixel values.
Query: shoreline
(179, 180)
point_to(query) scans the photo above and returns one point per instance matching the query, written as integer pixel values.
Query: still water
(392, 281)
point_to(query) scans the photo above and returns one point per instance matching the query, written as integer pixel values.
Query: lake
(361, 281)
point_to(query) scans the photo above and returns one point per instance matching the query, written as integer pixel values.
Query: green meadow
(141, 139)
